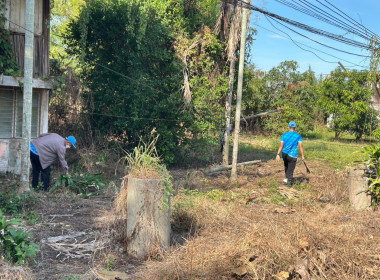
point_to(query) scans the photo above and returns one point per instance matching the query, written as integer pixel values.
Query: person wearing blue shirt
(290, 141)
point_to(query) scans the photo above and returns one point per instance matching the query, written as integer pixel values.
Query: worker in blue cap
(44, 151)
(290, 141)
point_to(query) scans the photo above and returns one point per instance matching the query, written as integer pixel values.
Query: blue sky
(272, 46)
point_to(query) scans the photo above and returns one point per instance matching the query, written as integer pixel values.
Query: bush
(13, 204)
(373, 172)
(85, 185)
(14, 244)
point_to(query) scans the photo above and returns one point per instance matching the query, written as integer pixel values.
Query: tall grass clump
(144, 163)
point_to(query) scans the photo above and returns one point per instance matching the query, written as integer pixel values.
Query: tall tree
(286, 88)
(129, 68)
(244, 22)
(347, 96)
(233, 40)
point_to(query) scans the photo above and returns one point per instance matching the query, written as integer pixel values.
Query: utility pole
(28, 87)
(239, 91)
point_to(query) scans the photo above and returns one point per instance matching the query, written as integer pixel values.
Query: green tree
(347, 96)
(129, 67)
(286, 88)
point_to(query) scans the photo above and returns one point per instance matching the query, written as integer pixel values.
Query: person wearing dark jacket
(44, 151)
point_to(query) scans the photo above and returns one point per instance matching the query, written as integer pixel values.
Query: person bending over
(44, 151)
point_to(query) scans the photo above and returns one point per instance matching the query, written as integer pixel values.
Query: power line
(351, 19)
(322, 44)
(311, 29)
(298, 43)
(316, 12)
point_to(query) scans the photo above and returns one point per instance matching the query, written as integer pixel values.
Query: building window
(11, 105)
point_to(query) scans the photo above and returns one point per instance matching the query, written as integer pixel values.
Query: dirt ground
(90, 250)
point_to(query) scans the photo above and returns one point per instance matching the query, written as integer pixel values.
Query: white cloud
(275, 36)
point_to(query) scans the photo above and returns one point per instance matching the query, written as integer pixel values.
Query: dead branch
(74, 251)
(319, 269)
(228, 167)
(62, 237)
(261, 114)
(186, 84)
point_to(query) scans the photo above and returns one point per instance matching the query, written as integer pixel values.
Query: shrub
(86, 184)
(14, 244)
(373, 172)
(13, 204)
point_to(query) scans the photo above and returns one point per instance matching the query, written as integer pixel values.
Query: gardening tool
(307, 168)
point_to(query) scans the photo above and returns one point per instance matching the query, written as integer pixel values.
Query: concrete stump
(357, 185)
(148, 217)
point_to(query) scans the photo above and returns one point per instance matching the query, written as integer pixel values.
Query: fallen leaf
(283, 275)
(303, 243)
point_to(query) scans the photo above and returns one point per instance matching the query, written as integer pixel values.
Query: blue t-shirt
(291, 140)
(33, 149)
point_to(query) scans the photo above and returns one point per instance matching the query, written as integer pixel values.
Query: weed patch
(14, 243)
(16, 205)
(85, 185)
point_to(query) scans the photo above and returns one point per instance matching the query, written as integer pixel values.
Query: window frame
(15, 92)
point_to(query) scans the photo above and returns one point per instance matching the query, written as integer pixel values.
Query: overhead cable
(308, 50)
(311, 29)
(314, 11)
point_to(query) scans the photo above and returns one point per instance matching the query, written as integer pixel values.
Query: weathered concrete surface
(10, 155)
(148, 222)
(357, 185)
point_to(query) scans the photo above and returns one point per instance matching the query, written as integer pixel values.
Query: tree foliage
(346, 95)
(282, 87)
(129, 67)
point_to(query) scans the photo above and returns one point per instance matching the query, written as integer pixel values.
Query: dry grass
(234, 239)
(8, 272)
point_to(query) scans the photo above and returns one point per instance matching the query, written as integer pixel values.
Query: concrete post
(27, 101)
(357, 185)
(148, 217)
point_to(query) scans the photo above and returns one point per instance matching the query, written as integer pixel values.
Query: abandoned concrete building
(11, 95)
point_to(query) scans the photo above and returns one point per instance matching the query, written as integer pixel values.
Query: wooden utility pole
(239, 91)
(28, 87)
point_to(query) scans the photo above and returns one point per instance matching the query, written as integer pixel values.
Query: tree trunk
(232, 44)
(239, 94)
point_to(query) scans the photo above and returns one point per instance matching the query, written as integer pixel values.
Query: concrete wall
(10, 155)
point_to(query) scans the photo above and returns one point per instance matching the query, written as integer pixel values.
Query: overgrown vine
(8, 65)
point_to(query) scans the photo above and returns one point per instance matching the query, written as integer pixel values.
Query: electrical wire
(314, 11)
(298, 45)
(322, 44)
(350, 19)
(311, 29)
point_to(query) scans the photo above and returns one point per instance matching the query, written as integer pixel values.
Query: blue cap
(292, 124)
(72, 140)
